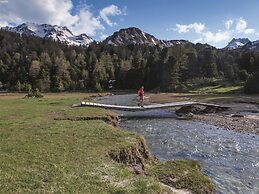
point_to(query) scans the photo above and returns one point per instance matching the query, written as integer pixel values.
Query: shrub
(98, 87)
(34, 94)
(37, 93)
(18, 86)
(27, 87)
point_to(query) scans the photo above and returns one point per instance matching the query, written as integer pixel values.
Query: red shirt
(141, 92)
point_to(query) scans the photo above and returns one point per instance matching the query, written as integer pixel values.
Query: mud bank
(109, 119)
(183, 176)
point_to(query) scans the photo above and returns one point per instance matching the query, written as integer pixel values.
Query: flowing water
(229, 158)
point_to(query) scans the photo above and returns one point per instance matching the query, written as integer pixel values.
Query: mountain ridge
(125, 36)
(55, 32)
(236, 43)
(134, 35)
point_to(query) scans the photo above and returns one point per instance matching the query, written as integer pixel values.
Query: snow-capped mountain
(57, 33)
(131, 36)
(136, 36)
(236, 43)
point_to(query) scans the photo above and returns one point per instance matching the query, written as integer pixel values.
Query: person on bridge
(141, 95)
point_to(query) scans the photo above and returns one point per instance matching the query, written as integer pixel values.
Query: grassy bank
(203, 97)
(43, 151)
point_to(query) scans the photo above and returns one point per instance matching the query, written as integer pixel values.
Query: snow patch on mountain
(237, 43)
(57, 33)
(136, 36)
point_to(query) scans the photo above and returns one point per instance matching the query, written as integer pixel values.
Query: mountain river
(229, 158)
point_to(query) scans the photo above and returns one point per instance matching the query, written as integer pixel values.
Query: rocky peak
(131, 36)
(236, 43)
(136, 36)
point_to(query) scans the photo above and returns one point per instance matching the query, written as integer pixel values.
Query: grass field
(218, 89)
(203, 97)
(39, 154)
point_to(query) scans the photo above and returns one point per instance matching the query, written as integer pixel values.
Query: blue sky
(208, 21)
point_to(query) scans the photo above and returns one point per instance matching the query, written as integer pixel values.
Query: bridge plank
(147, 107)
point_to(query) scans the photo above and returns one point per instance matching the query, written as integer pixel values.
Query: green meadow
(43, 151)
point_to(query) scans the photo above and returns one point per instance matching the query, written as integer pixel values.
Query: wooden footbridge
(147, 107)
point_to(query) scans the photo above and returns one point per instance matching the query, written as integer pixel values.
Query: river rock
(237, 115)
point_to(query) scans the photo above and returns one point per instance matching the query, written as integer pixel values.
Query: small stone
(137, 169)
(237, 115)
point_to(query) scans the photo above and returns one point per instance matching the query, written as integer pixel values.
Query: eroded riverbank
(229, 158)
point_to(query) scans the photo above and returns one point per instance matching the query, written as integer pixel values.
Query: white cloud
(241, 27)
(56, 12)
(216, 37)
(228, 24)
(232, 28)
(48, 11)
(250, 31)
(3, 24)
(197, 27)
(210, 37)
(206, 36)
(182, 28)
(86, 23)
(111, 10)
